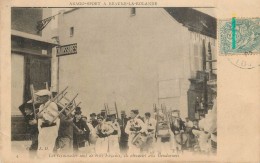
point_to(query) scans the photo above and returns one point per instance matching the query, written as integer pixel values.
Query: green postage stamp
(239, 36)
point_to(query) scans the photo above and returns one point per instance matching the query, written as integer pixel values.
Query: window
(44, 52)
(71, 31)
(133, 11)
(198, 57)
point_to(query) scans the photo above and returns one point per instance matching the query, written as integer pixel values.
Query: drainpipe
(60, 25)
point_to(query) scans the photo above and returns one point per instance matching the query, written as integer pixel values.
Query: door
(33, 70)
(37, 72)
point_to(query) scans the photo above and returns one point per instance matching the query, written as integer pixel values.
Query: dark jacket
(79, 139)
(194, 128)
(66, 127)
(94, 123)
(176, 129)
(33, 129)
(82, 125)
(124, 135)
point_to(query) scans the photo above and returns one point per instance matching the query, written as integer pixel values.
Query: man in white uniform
(134, 126)
(47, 126)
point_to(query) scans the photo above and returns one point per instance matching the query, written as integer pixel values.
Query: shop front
(31, 64)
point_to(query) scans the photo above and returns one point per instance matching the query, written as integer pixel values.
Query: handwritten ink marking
(233, 32)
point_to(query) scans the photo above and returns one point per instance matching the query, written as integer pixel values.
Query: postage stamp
(239, 36)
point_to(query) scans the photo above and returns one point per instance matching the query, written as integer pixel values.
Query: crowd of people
(68, 132)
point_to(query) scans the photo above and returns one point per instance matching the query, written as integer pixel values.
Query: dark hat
(26, 106)
(78, 110)
(148, 114)
(135, 111)
(93, 114)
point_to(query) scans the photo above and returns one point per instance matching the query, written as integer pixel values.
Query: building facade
(31, 52)
(134, 57)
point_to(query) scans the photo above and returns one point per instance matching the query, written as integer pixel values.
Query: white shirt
(105, 128)
(150, 123)
(189, 124)
(116, 127)
(202, 123)
(136, 122)
(48, 113)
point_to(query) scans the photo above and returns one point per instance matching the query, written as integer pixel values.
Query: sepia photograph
(113, 81)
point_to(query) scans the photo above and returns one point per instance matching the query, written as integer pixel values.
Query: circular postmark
(244, 61)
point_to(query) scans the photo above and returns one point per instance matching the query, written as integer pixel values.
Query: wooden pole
(65, 108)
(33, 100)
(116, 111)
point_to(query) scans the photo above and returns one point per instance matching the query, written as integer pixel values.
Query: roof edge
(31, 37)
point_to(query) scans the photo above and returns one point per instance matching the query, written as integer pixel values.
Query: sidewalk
(23, 146)
(20, 147)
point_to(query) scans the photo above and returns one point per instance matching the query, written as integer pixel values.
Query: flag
(43, 23)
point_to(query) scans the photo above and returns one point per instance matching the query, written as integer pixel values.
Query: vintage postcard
(124, 81)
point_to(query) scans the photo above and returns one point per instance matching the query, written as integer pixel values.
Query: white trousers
(113, 144)
(47, 137)
(101, 145)
(132, 148)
